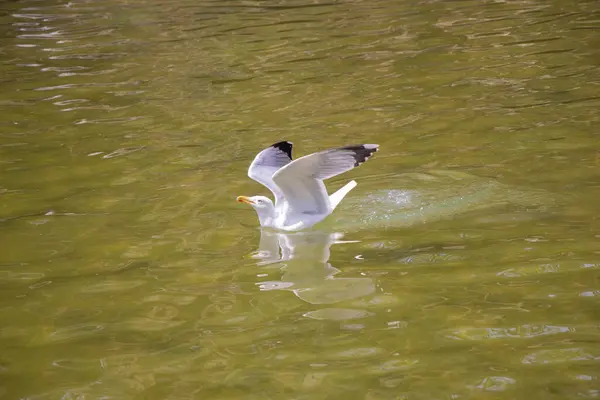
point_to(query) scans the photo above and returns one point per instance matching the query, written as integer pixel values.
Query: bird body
(301, 198)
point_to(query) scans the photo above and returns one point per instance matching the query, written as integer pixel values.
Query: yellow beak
(244, 199)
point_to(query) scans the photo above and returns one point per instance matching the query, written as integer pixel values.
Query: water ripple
(135, 121)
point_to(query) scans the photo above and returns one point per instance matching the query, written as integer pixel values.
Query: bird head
(258, 202)
(264, 208)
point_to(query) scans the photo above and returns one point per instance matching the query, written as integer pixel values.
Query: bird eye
(259, 201)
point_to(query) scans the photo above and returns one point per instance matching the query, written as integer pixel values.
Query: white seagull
(301, 199)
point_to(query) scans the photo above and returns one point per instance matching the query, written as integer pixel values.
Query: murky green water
(469, 265)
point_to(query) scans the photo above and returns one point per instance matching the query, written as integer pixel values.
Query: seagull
(301, 199)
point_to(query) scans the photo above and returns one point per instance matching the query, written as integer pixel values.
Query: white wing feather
(301, 181)
(269, 161)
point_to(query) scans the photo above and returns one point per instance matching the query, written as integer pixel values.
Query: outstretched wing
(269, 161)
(301, 181)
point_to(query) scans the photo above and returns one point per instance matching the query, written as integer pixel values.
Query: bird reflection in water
(304, 260)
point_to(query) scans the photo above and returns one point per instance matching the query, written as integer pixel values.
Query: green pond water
(465, 265)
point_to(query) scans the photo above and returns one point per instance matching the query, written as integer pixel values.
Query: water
(464, 265)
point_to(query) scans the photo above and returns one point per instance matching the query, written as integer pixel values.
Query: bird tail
(335, 198)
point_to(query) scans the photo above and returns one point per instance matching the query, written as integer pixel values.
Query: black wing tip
(284, 146)
(362, 152)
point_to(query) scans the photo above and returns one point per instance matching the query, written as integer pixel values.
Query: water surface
(464, 265)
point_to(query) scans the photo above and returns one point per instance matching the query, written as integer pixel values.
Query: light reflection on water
(469, 258)
(306, 268)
